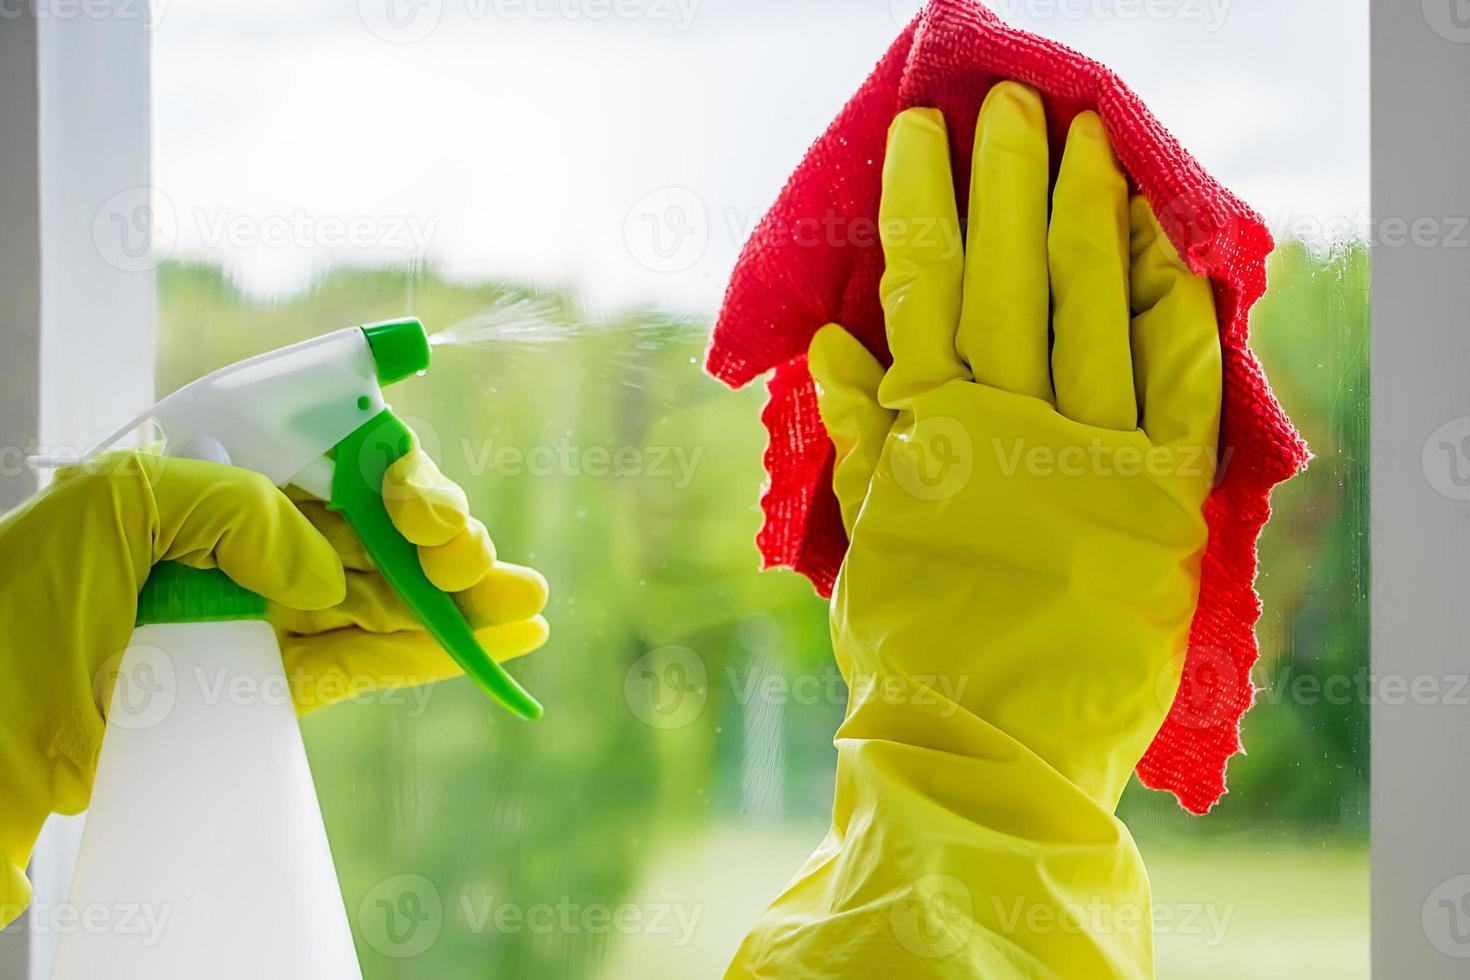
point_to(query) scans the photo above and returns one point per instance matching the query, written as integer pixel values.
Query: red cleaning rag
(814, 259)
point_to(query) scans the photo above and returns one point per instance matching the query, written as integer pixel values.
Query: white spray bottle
(204, 829)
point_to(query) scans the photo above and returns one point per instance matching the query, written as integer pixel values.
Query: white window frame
(1420, 59)
(76, 313)
(76, 332)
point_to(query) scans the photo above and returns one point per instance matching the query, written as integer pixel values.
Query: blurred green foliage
(653, 566)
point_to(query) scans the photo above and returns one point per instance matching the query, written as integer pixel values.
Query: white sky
(544, 140)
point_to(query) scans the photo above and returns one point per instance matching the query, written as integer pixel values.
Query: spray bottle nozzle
(400, 349)
(312, 415)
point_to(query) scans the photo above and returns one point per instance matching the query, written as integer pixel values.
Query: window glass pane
(324, 166)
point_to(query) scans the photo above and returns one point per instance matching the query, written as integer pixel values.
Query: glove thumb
(847, 379)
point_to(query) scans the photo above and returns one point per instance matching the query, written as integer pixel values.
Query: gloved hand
(370, 639)
(73, 558)
(1023, 491)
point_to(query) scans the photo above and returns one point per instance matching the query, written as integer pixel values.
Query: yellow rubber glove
(1023, 491)
(73, 558)
(370, 640)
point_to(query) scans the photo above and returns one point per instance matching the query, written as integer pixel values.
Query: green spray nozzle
(400, 349)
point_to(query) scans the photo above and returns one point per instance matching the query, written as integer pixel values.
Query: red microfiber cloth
(815, 259)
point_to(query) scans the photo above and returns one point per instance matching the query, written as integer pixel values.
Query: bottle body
(204, 852)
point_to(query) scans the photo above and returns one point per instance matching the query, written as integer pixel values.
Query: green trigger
(362, 459)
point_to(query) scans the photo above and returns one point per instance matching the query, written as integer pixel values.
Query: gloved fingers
(511, 641)
(461, 561)
(300, 496)
(370, 605)
(919, 226)
(334, 527)
(508, 594)
(335, 667)
(426, 507)
(505, 594)
(1005, 323)
(453, 565)
(1092, 366)
(1176, 341)
(332, 667)
(847, 379)
(210, 515)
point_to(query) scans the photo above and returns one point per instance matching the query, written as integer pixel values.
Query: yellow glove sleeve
(1023, 569)
(73, 558)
